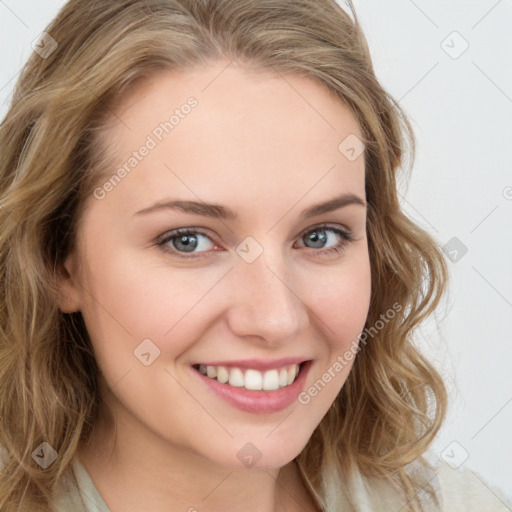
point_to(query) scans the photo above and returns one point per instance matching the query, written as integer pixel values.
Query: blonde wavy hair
(393, 402)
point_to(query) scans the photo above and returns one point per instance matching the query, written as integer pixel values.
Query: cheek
(127, 303)
(341, 299)
(138, 317)
(340, 305)
(144, 301)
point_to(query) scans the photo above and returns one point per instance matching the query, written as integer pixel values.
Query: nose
(264, 301)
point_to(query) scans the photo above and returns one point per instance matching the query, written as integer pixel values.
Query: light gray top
(80, 494)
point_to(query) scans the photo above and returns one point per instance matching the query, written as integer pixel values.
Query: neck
(134, 471)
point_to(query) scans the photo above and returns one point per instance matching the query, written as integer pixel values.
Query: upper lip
(258, 364)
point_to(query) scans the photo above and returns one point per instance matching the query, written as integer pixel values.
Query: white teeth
(222, 374)
(269, 380)
(236, 378)
(253, 380)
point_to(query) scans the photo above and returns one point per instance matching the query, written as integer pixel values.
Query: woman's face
(258, 289)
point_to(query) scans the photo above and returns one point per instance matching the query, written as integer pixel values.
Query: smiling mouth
(252, 379)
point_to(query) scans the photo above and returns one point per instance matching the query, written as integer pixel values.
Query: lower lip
(259, 402)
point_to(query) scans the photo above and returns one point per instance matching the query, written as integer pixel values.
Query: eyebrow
(218, 211)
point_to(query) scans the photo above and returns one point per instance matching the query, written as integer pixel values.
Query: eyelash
(345, 235)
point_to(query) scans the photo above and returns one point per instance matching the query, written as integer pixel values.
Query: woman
(210, 289)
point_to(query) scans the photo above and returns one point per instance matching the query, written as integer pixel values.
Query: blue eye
(318, 236)
(183, 242)
(183, 239)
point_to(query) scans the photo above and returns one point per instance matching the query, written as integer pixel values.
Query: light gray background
(461, 186)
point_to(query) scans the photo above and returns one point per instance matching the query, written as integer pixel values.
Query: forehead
(261, 133)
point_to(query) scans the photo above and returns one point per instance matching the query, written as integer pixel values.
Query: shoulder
(457, 490)
(466, 490)
(67, 493)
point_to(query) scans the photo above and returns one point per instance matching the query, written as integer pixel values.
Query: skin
(274, 141)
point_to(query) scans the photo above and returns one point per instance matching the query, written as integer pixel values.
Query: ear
(68, 291)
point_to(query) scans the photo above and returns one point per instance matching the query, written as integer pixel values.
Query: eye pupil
(316, 237)
(187, 244)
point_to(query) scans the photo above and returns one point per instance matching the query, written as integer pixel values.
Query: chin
(264, 454)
